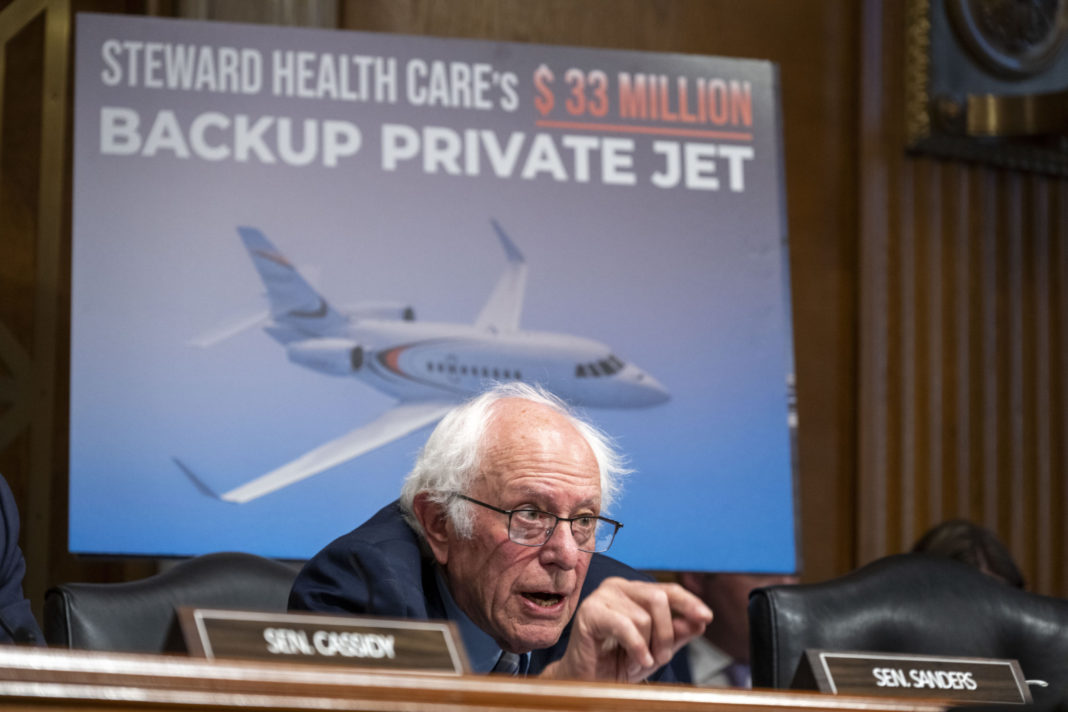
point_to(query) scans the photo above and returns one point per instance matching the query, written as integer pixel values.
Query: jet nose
(654, 391)
(646, 390)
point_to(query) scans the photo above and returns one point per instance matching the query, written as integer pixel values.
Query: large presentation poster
(294, 249)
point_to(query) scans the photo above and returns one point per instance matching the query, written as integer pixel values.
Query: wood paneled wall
(963, 346)
(928, 298)
(34, 255)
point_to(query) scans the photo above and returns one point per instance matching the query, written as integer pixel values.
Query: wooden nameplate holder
(928, 676)
(320, 639)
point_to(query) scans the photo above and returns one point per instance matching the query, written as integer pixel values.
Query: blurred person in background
(720, 658)
(974, 545)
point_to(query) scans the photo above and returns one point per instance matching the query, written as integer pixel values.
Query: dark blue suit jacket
(381, 569)
(17, 623)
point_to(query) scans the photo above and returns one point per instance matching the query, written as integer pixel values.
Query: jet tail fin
(226, 331)
(502, 309)
(293, 302)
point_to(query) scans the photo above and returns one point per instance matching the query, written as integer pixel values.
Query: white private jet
(428, 367)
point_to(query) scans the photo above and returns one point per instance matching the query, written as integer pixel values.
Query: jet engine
(337, 357)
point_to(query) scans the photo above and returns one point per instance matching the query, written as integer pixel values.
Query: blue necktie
(739, 675)
(507, 664)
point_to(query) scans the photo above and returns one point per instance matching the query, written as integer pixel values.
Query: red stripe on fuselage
(390, 359)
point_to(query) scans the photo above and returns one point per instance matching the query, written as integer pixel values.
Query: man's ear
(435, 523)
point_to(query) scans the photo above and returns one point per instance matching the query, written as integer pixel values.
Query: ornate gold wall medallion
(987, 80)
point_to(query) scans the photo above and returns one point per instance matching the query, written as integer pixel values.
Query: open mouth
(545, 600)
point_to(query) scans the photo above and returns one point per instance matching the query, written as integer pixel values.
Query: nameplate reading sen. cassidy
(321, 639)
(897, 675)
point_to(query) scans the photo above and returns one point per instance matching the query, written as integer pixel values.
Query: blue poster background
(687, 283)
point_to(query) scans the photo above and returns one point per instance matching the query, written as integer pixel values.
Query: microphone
(24, 636)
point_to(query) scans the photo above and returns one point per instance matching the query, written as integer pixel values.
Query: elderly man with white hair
(499, 528)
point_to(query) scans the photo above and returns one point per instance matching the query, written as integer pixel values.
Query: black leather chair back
(910, 603)
(139, 616)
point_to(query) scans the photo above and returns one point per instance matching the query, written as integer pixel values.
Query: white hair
(451, 458)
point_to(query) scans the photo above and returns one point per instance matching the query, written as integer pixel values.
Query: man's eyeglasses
(533, 527)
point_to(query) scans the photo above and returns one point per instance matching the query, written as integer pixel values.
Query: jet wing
(502, 309)
(391, 425)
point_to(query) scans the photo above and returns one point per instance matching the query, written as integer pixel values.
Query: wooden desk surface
(49, 679)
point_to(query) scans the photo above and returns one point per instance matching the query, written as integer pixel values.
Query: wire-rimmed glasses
(533, 527)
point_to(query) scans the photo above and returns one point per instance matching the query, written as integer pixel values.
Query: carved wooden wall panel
(34, 213)
(963, 304)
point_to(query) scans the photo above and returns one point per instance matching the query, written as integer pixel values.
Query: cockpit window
(602, 367)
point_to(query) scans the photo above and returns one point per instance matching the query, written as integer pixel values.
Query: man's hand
(626, 630)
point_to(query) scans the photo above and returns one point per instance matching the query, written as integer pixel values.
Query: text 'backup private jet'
(428, 367)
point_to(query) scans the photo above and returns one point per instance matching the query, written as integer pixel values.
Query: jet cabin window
(485, 371)
(602, 367)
